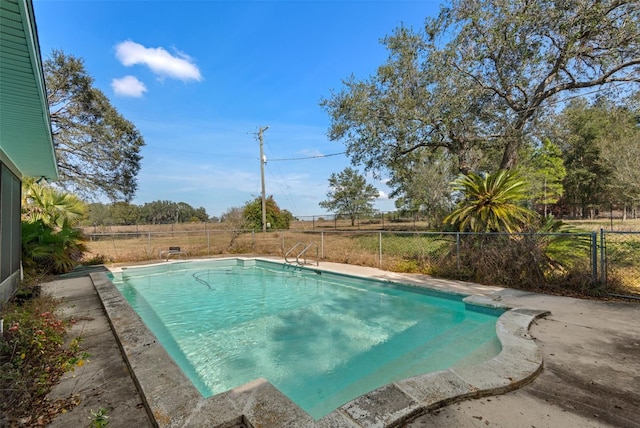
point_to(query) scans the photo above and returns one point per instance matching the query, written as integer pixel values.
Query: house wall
(10, 246)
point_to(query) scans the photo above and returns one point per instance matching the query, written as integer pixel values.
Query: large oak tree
(524, 54)
(474, 82)
(98, 150)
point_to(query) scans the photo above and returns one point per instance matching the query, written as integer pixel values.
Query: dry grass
(632, 225)
(400, 252)
(629, 225)
(142, 246)
(297, 225)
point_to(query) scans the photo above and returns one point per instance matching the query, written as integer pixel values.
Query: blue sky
(199, 78)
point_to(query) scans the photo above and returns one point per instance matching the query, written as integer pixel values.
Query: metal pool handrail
(302, 253)
(291, 250)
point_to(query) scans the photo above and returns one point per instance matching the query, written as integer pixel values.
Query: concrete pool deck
(591, 353)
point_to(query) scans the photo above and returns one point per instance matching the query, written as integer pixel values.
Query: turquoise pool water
(320, 338)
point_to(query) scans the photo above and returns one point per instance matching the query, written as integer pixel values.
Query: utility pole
(263, 160)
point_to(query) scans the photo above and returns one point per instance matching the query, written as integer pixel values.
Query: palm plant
(50, 242)
(47, 251)
(53, 207)
(539, 255)
(491, 203)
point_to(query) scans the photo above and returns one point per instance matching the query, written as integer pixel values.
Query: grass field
(630, 225)
(617, 225)
(364, 244)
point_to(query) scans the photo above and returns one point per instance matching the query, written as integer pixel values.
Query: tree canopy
(423, 186)
(276, 218)
(600, 143)
(156, 212)
(523, 54)
(98, 150)
(234, 218)
(545, 173)
(470, 88)
(349, 194)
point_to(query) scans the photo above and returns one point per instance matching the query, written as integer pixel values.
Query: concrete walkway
(591, 376)
(591, 353)
(104, 381)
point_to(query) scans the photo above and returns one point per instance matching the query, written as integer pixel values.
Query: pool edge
(172, 400)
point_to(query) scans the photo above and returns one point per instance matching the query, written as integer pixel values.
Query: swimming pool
(320, 338)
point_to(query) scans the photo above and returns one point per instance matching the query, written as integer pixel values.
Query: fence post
(603, 255)
(594, 256)
(149, 244)
(322, 245)
(380, 248)
(458, 250)
(208, 243)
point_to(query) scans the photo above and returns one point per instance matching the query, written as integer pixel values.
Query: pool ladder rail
(302, 254)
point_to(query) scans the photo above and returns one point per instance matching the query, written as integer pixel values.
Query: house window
(10, 248)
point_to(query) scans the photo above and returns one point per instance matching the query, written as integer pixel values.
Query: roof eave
(36, 61)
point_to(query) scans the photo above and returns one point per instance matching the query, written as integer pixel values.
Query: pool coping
(172, 400)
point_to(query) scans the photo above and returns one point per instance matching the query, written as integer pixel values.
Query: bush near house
(34, 352)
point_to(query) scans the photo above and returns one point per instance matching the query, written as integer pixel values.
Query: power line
(307, 157)
(284, 189)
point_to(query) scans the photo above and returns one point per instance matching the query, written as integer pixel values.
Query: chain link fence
(620, 262)
(588, 262)
(615, 215)
(375, 220)
(615, 212)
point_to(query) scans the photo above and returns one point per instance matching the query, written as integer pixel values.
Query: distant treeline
(156, 212)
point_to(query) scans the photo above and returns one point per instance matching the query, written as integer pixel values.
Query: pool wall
(172, 400)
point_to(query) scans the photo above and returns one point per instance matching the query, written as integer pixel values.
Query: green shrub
(532, 261)
(33, 355)
(50, 250)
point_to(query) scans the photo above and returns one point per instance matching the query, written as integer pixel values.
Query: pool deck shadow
(172, 401)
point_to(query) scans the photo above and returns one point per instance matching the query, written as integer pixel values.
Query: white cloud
(382, 195)
(161, 62)
(128, 86)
